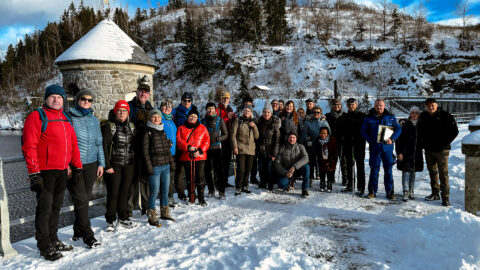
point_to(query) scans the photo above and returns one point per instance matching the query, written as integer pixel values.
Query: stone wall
(109, 83)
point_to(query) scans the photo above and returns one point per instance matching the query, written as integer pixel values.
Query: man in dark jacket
(353, 143)
(309, 105)
(140, 108)
(225, 111)
(437, 130)
(379, 121)
(218, 133)
(49, 147)
(332, 117)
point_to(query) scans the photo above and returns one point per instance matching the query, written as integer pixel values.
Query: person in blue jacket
(90, 144)
(380, 150)
(170, 128)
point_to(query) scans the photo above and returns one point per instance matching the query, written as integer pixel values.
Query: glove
(36, 182)
(77, 175)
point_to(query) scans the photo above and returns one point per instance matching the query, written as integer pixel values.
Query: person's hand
(196, 154)
(36, 182)
(273, 158)
(69, 172)
(289, 175)
(192, 149)
(235, 151)
(99, 171)
(292, 170)
(109, 171)
(400, 157)
(251, 124)
(230, 115)
(389, 141)
(77, 175)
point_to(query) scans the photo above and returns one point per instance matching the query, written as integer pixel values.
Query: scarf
(190, 126)
(167, 116)
(336, 114)
(83, 111)
(324, 148)
(414, 122)
(156, 127)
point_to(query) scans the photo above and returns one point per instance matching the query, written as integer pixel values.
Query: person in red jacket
(49, 145)
(193, 140)
(226, 113)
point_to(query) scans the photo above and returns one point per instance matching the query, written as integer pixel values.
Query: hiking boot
(370, 196)
(360, 193)
(392, 197)
(446, 202)
(305, 193)
(203, 203)
(211, 194)
(221, 195)
(322, 189)
(91, 242)
(152, 218)
(127, 223)
(165, 213)
(411, 196)
(432, 197)
(238, 192)
(329, 190)
(110, 227)
(246, 190)
(405, 196)
(60, 246)
(347, 189)
(171, 201)
(51, 253)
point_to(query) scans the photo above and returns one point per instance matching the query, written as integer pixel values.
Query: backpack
(113, 128)
(217, 127)
(44, 118)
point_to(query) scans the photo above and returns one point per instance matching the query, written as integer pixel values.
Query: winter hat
(121, 104)
(226, 95)
(155, 112)
(351, 100)
(248, 107)
(55, 89)
(414, 109)
(210, 104)
(336, 101)
(268, 107)
(187, 95)
(83, 92)
(144, 86)
(429, 100)
(192, 112)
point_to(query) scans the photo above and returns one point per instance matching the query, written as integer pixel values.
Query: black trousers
(171, 187)
(227, 158)
(49, 202)
(350, 154)
(330, 179)
(244, 164)
(199, 172)
(253, 172)
(312, 161)
(179, 176)
(139, 190)
(215, 178)
(81, 193)
(118, 185)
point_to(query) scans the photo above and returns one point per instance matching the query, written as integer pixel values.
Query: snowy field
(283, 231)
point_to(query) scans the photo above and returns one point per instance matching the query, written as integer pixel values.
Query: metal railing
(6, 248)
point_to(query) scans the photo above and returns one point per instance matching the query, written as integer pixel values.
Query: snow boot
(127, 223)
(152, 218)
(411, 196)
(446, 202)
(221, 195)
(110, 227)
(238, 192)
(432, 197)
(405, 196)
(165, 213)
(305, 193)
(51, 253)
(322, 185)
(360, 193)
(370, 196)
(246, 190)
(203, 203)
(91, 242)
(392, 197)
(60, 246)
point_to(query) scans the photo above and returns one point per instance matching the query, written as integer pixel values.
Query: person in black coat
(332, 117)
(438, 129)
(409, 152)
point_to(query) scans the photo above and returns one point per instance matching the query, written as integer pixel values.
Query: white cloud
(11, 35)
(458, 21)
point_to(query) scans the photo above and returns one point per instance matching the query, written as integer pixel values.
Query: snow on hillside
(283, 231)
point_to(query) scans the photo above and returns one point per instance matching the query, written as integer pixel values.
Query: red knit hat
(121, 104)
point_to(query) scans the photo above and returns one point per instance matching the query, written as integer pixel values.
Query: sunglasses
(89, 100)
(187, 100)
(317, 112)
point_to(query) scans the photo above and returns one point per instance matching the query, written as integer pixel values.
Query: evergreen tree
(396, 24)
(179, 35)
(360, 29)
(246, 22)
(365, 105)
(175, 4)
(277, 27)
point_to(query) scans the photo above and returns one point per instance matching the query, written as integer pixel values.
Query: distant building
(107, 61)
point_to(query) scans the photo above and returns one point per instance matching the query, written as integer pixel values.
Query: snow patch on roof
(472, 138)
(106, 42)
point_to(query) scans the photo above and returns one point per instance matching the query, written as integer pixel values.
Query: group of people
(145, 153)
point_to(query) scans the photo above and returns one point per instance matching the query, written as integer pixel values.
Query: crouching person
(291, 163)
(327, 155)
(118, 136)
(49, 147)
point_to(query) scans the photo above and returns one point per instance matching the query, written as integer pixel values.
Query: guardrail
(463, 118)
(6, 248)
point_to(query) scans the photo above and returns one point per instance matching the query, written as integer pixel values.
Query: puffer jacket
(89, 137)
(268, 141)
(290, 155)
(156, 149)
(171, 130)
(409, 145)
(53, 149)
(118, 149)
(195, 135)
(330, 163)
(370, 126)
(437, 131)
(288, 126)
(216, 136)
(243, 136)
(310, 132)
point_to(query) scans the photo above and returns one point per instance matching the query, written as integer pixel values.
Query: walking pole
(192, 179)
(234, 159)
(353, 170)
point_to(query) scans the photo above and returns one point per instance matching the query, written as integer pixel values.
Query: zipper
(66, 140)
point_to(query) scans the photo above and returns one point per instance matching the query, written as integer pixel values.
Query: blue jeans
(304, 171)
(159, 181)
(408, 180)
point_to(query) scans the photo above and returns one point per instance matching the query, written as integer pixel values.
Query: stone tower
(109, 63)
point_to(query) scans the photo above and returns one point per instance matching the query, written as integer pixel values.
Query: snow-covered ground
(283, 231)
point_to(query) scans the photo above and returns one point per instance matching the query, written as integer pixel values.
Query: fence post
(471, 150)
(5, 245)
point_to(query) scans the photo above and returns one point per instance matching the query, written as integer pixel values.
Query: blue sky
(20, 17)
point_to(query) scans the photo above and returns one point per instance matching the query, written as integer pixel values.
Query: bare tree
(462, 10)
(384, 7)
(322, 21)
